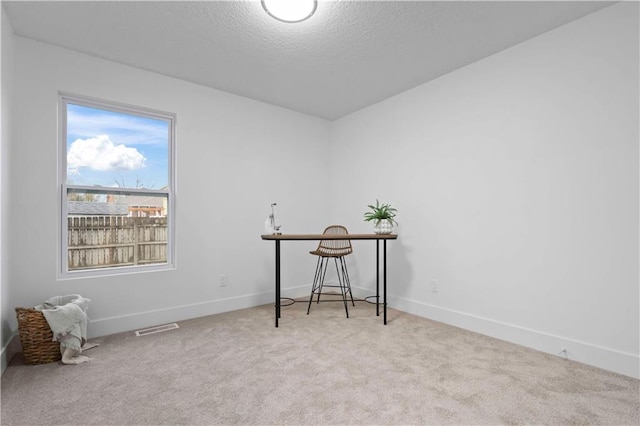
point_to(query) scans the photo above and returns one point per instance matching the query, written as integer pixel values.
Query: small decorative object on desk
(272, 225)
(383, 217)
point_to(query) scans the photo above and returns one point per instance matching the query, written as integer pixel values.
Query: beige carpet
(237, 368)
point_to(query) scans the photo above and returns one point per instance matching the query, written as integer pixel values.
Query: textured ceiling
(349, 55)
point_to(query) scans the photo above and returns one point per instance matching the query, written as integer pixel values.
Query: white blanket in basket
(67, 319)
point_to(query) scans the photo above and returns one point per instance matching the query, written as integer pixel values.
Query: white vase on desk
(268, 227)
(383, 227)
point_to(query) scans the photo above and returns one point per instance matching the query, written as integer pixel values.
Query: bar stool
(336, 250)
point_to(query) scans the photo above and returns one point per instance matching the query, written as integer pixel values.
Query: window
(117, 188)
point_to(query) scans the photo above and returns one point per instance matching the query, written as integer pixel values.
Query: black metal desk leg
(384, 266)
(377, 278)
(277, 281)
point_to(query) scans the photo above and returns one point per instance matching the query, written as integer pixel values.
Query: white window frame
(63, 256)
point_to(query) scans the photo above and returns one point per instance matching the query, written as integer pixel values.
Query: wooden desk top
(316, 237)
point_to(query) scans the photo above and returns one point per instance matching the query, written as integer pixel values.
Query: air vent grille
(157, 329)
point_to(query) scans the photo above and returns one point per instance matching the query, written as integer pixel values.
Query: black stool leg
(325, 262)
(343, 290)
(345, 274)
(316, 281)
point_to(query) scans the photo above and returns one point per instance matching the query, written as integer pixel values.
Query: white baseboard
(597, 356)
(111, 325)
(8, 351)
(608, 359)
(4, 359)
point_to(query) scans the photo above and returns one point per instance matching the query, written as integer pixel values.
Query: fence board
(107, 241)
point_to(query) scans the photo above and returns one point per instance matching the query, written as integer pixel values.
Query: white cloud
(100, 153)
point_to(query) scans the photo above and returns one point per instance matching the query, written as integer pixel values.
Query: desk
(316, 237)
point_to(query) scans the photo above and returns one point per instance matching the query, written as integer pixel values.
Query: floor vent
(157, 329)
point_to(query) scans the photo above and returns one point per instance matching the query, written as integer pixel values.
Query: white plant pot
(383, 227)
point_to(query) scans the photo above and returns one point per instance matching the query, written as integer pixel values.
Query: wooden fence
(108, 241)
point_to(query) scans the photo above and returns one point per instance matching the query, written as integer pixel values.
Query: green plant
(381, 212)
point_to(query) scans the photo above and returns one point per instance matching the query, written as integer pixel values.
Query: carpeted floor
(237, 368)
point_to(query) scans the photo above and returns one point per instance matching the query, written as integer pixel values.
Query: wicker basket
(36, 337)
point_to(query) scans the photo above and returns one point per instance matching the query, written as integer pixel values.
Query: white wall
(6, 74)
(516, 181)
(235, 156)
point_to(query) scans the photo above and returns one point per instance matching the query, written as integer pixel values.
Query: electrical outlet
(223, 280)
(434, 286)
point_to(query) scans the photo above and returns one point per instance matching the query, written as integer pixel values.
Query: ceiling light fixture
(290, 10)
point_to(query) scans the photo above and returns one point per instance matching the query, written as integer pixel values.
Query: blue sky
(105, 147)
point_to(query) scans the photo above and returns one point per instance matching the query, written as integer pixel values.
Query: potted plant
(383, 217)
